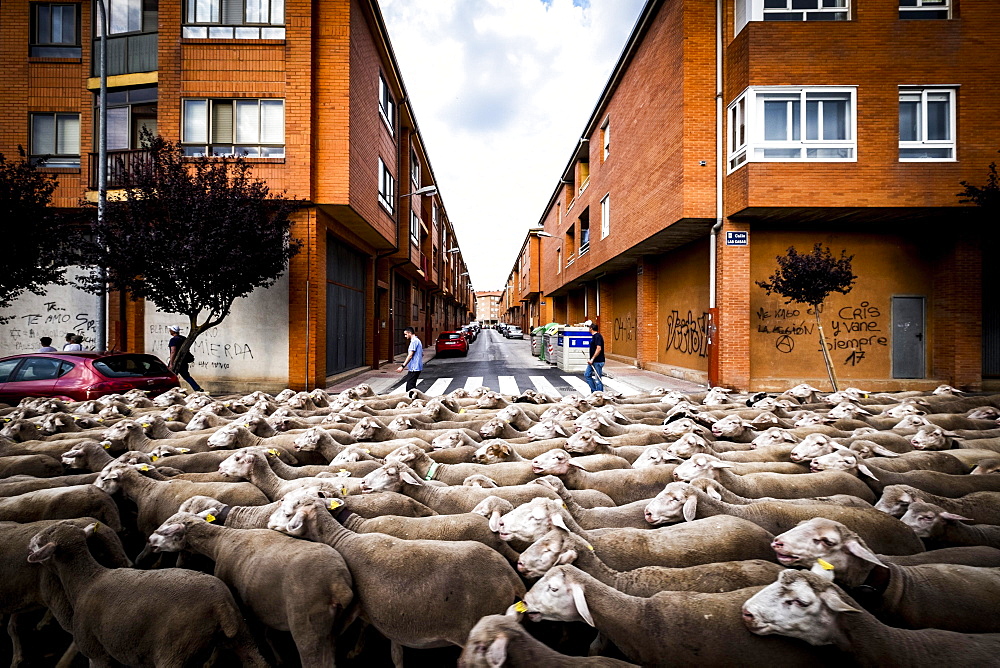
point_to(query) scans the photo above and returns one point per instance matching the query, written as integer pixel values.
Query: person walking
(46, 342)
(414, 362)
(71, 342)
(595, 361)
(176, 341)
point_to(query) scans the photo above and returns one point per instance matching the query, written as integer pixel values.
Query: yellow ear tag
(335, 503)
(343, 471)
(521, 607)
(145, 424)
(461, 410)
(826, 565)
(343, 490)
(144, 467)
(210, 518)
(183, 450)
(97, 525)
(76, 417)
(106, 445)
(272, 451)
(153, 457)
(368, 452)
(100, 419)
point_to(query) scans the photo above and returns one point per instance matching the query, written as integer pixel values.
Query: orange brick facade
(658, 173)
(327, 69)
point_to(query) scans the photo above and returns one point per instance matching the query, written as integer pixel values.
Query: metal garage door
(345, 307)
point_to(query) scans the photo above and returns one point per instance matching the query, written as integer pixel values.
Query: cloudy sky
(501, 90)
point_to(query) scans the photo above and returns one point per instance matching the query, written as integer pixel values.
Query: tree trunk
(826, 353)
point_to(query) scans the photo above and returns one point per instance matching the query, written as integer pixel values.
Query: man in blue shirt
(414, 362)
(595, 361)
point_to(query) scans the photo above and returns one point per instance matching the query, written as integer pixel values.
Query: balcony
(120, 165)
(128, 54)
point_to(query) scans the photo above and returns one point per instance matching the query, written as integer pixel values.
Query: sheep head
(799, 605)
(678, 501)
(493, 508)
(530, 521)
(365, 429)
(687, 446)
(928, 520)
(493, 452)
(654, 455)
(558, 598)
(585, 442)
(555, 548)
(700, 466)
(545, 430)
(821, 538)
(811, 447)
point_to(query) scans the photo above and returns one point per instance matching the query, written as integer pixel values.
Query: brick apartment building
(312, 93)
(849, 123)
(488, 307)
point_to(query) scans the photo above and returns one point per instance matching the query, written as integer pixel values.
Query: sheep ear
(884, 451)
(91, 529)
(714, 493)
(409, 478)
(858, 550)
(600, 439)
(954, 517)
(691, 508)
(722, 465)
(567, 557)
(42, 553)
(558, 521)
(581, 603)
(842, 448)
(495, 521)
(834, 602)
(867, 471)
(496, 653)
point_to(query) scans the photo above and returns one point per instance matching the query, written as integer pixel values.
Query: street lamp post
(102, 174)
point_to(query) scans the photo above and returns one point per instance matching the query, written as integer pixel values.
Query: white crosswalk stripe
(472, 382)
(619, 386)
(508, 385)
(439, 387)
(578, 384)
(402, 388)
(543, 385)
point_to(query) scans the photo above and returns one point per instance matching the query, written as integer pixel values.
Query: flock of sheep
(707, 529)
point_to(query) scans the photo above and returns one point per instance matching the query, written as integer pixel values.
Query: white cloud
(501, 90)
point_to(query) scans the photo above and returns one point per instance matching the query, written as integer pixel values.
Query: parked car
(79, 376)
(469, 333)
(452, 342)
(514, 332)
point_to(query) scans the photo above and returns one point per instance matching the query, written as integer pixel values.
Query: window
(414, 171)
(606, 139)
(249, 127)
(782, 124)
(128, 16)
(386, 187)
(55, 31)
(924, 9)
(606, 216)
(584, 231)
(234, 19)
(37, 368)
(926, 124)
(55, 140)
(386, 103)
(414, 227)
(805, 10)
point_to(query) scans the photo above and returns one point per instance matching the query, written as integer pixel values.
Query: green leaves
(812, 277)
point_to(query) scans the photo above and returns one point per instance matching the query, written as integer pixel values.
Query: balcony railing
(120, 164)
(128, 54)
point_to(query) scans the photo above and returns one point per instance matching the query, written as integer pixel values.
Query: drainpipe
(713, 353)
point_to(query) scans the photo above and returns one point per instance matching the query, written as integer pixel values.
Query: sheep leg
(598, 645)
(67, 658)
(17, 655)
(359, 646)
(45, 620)
(397, 654)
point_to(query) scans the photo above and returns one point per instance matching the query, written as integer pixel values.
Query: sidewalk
(387, 377)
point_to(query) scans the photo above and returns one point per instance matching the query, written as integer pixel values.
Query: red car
(79, 376)
(452, 342)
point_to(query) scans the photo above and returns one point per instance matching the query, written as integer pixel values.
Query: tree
(987, 196)
(810, 279)
(36, 251)
(191, 235)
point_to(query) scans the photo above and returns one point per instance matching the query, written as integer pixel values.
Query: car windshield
(130, 366)
(450, 335)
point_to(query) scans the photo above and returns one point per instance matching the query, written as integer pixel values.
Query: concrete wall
(61, 309)
(248, 351)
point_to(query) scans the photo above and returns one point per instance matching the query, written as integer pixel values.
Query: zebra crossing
(553, 386)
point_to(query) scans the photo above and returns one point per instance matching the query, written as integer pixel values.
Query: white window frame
(386, 187)
(55, 158)
(925, 7)
(386, 104)
(414, 171)
(951, 142)
(234, 19)
(415, 227)
(753, 10)
(606, 216)
(820, 9)
(606, 139)
(194, 146)
(753, 99)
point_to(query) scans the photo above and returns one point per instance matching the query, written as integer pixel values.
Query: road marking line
(402, 388)
(620, 386)
(543, 385)
(472, 382)
(439, 386)
(508, 385)
(578, 384)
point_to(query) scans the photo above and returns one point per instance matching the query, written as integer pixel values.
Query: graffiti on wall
(688, 335)
(852, 330)
(624, 329)
(210, 350)
(52, 319)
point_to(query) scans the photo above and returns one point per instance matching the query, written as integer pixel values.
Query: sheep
(680, 501)
(383, 569)
(306, 596)
(942, 484)
(655, 455)
(498, 640)
(24, 484)
(986, 466)
(505, 474)
(622, 485)
(912, 461)
(589, 442)
(805, 606)
(981, 507)
(559, 546)
(370, 429)
(629, 515)
(932, 438)
(666, 629)
(157, 500)
(324, 442)
(113, 607)
(129, 435)
(40, 466)
(940, 528)
(61, 503)
(721, 538)
(717, 491)
(453, 438)
(203, 462)
(251, 464)
(27, 586)
(943, 596)
(778, 485)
